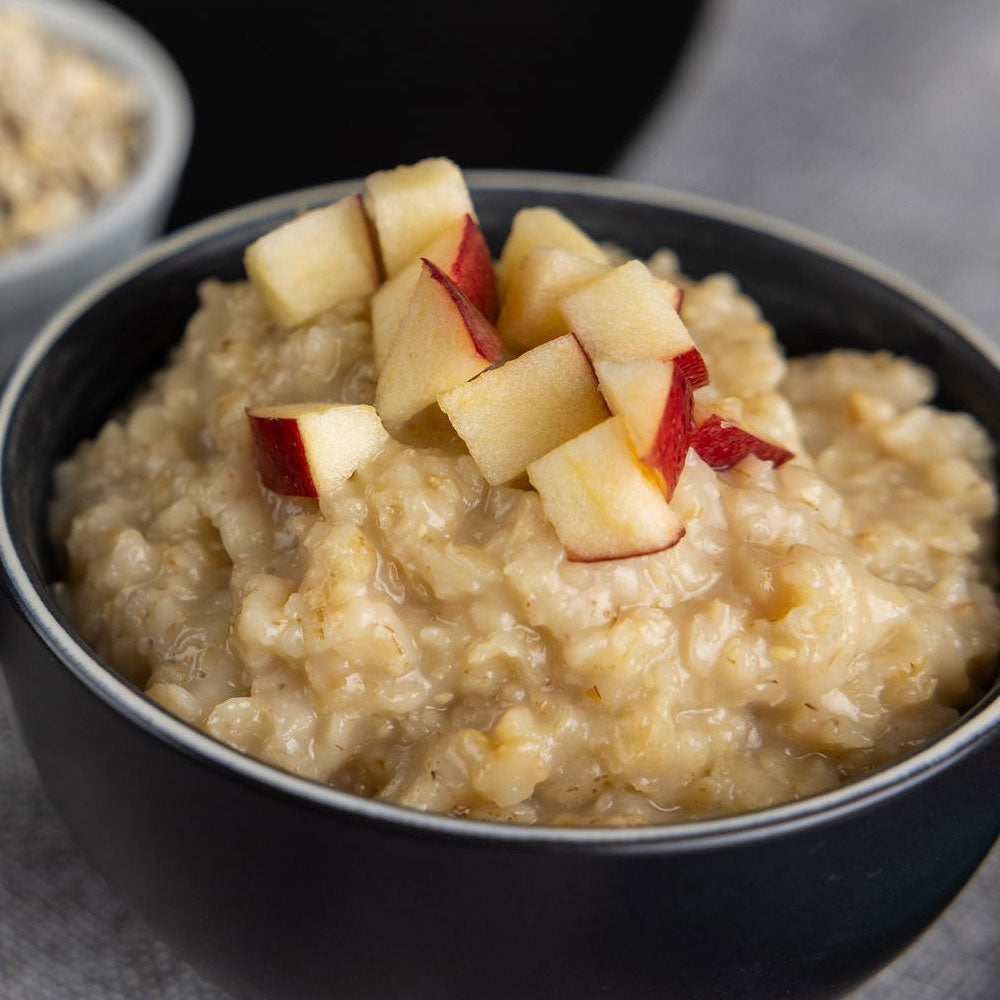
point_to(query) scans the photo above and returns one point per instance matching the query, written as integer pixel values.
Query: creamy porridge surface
(420, 636)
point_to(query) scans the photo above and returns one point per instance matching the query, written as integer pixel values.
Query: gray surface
(875, 122)
(872, 121)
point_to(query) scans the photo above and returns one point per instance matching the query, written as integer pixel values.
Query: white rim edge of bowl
(102, 680)
(128, 46)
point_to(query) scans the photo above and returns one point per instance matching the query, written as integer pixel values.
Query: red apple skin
(669, 451)
(473, 273)
(573, 557)
(722, 444)
(486, 339)
(281, 456)
(692, 364)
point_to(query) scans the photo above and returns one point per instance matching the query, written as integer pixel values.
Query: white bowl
(36, 280)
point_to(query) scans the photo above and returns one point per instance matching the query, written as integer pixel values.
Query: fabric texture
(871, 121)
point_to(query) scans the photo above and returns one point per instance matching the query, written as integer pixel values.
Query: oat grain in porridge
(644, 570)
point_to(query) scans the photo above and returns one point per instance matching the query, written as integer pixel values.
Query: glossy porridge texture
(420, 637)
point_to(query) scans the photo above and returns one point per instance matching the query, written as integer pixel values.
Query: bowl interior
(112, 343)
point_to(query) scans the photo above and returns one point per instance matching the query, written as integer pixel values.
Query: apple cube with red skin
(308, 449)
(472, 269)
(629, 315)
(443, 341)
(461, 253)
(654, 399)
(542, 227)
(722, 443)
(412, 205)
(601, 499)
(314, 262)
(531, 315)
(675, 292)
(511, 415)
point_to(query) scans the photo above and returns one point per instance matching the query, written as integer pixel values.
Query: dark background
(331, 90)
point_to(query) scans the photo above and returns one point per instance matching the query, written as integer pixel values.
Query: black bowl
(280, 888)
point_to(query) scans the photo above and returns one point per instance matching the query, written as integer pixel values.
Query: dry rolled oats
(70, 130)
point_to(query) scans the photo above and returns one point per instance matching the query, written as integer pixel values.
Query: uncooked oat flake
(70, 131)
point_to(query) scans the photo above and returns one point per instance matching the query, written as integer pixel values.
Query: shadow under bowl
(280, 888)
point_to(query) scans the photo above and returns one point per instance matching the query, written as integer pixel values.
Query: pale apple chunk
(308, 449)
(513, 414)
(542, 227)
(654, 399)
(601, 500)
(314, 262)
(411, 205)
(461, 252)
(389, 305)
(628, 315)
(531, 313)
(442, 342)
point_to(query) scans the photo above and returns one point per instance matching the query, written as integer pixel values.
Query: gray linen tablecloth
(872, 121)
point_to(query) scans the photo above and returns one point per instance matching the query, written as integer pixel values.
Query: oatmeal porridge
(599, 554)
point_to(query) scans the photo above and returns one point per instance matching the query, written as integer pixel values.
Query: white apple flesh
(314, 262)
(511, 415)
(461, 253)
(600, 499)
(443, 341)
(531, 315)
(654, 399)
(411, 205)
(628, 315)
(309, 449)
(542, 227)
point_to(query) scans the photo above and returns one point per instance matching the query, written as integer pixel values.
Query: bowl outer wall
(626, 913)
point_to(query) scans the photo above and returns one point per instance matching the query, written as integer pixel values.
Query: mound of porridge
(423, 633)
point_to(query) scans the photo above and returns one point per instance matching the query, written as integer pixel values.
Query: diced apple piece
(531, 313)
(654, 399)
(628, 315)
(472, 270)
(675, 292)
(317, 260)
(516, 413)
(461, 252)
(410, 206)
(308, 449)
(443, 341)
(693, 365)
(600, 498)
(721, 442)
(542, 227)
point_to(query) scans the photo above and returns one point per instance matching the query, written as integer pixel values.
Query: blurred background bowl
(36, 279)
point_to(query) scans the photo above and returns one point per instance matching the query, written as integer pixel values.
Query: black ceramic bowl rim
(825, 807)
